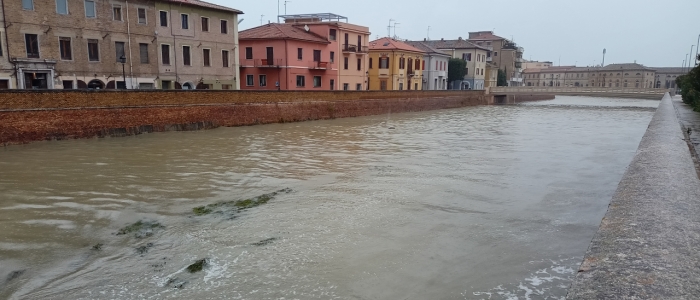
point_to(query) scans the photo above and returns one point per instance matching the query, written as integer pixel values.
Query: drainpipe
(131, 61)
(172, 24)
(7, 42)
(286, 69)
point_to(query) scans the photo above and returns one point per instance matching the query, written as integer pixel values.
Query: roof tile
(280, 32)
(206, 4)
(392, 44)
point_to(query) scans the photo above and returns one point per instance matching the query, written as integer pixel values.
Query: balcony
(320, 65)
(362, 50)
(264, 63)
(348, 48)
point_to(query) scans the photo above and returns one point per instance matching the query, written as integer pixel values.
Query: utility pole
(691, 54)
(686, 60)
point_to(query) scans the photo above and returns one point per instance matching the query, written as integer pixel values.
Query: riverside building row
(97, 44)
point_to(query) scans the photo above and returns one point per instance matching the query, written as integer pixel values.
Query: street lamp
(122, 59)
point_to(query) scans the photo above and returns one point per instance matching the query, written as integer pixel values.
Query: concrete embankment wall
(27, 116)
(648, 244)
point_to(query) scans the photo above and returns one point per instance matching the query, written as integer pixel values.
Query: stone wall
(48, 115)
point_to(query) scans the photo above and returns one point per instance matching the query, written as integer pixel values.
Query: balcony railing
(264, 63)
(320, 65)
(349, 48)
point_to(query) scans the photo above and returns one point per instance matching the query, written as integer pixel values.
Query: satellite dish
(306, 27)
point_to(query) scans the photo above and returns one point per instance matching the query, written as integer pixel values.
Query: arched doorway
(188, 86)
(96, 84)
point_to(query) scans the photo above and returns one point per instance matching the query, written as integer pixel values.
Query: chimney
(442, 39)
(425, 39)
(460, 38)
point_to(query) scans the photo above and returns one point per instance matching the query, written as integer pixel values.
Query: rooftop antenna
(395, 29)
(240, 21)
(388, 29)
(285, 6)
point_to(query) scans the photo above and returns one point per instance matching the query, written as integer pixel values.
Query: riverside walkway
(648, 244)
(636, 93)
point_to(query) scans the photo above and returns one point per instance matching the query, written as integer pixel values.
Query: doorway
(36, 81)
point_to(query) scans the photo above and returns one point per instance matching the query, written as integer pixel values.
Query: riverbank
(27, 116)
(646, 245)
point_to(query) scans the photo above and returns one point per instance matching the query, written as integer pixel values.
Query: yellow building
(395, 66)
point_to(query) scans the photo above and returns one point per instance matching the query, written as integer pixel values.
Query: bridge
(638, 93)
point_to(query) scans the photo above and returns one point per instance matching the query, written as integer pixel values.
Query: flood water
(489, 202)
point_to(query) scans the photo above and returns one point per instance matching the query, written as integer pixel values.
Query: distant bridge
(654, 94)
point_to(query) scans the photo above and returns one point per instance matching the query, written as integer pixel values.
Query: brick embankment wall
(34, 116)
(647, 244)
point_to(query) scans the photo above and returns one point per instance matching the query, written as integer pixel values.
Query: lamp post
(122, 59)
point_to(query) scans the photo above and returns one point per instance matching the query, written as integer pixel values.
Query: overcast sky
(656, 33)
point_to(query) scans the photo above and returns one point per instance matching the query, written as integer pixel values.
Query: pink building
(288, 57)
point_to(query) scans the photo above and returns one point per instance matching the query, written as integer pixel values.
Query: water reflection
(483, 202)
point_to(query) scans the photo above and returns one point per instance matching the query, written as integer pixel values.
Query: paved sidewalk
(689, 119)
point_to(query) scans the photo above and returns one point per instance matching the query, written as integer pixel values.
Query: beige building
(506, 54)
(351, 41)
(197, 45)
(612, 76)
(475, 56)
(491, 77)
(531, 64)
(6, 68)
(665, 78)
(79, 44)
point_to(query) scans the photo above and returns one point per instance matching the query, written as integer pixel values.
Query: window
(423, 68)
(359, 64)
(165, 84)
(370, 62)
(31, 42)
(142, 15)
(163, 18)
(317, 81)
(359, 87)
(206, 56)
(61, 7)
(143, 52)
(64, 48)
(224, 58)
(332, 56)
(263, 80)
(383, 62)
(332, 35)
(205, 24)
(67, 84)
(185, 21)
(417, 64)
(332, 84)
(345, 63)
(119, 47)
(93, 50)
(117, 12)
(300, 81)
(346, 86)
(469, 57)
(400, 86)
(300, 53)
(0, 44)
(382, 85)
(495, 54)
(224, 27)
(28, 4)
(249, 80)
(90, 9)
(165, 54)
(248, 52)
(317, 55)
(186, 57)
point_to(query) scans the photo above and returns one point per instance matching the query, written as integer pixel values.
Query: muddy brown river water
(489, 202)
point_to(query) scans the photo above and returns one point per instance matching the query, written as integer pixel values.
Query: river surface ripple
(488, 202)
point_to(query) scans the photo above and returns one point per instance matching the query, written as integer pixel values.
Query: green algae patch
(264, 242)
(141, 228)
(237, 206)
(197, 266)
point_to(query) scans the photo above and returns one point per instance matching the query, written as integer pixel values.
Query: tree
(502, 80)
(690, 87)
(456, 69)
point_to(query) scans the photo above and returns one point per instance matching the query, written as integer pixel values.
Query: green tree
(502, 80)
(456, 69)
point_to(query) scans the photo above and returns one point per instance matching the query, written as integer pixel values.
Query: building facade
(532, 64)
(6, 68)
(287, 57)
(506, 54)
(395, 65)
(611, 76)
(491, 77)
(665, 78)
(197, 45)
(68, 44)
(436, 66)
(475, 56)
(351, 54)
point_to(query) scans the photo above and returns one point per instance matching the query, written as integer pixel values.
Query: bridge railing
(555, 90)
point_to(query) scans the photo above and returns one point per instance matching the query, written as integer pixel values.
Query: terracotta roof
(485, 36)
(454, 44)
(634, 66)
(426, 48)
(206, 4)
(275, 31)
(392, 44)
